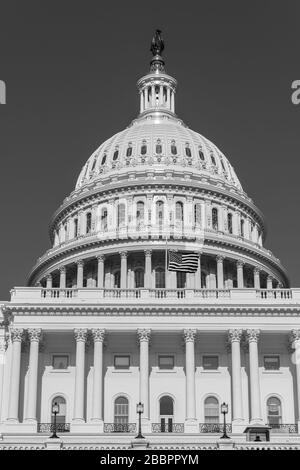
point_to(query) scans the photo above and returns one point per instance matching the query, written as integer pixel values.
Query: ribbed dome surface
(155, 143)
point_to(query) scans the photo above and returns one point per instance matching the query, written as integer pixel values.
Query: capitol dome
(156, 184)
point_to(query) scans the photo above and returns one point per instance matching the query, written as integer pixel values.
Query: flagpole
(166, 261)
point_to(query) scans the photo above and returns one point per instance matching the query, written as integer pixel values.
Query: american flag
(185, 262)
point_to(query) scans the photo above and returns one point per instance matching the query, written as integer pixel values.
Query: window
(117, 280)
(272, 362)
(274, 411)
(173, 148)
(121, 410)
(104, 219)
(213, 160)
(129, 151)
(188, 152)
(210, 362)
(140, 211)
(103, 159)
(122, 362)
(211, 410)
(60, 362)
(160, 278)
(197, 214)
(215, 219)
(181, 279)
(179, 212)
(222, 163)
(242, 227)
(158, 147)
(139, 278)
(88, 222)
(159, 213)
(94, 164)
(201, 155)
(144, 149)
(166, 412)
(121, 215)
(116, 154)
(229, 222)
(75, 227)
(62, 407)
(166, 362)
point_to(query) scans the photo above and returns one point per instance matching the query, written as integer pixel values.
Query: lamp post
(55, 411)
(140, 411)
(224, 410)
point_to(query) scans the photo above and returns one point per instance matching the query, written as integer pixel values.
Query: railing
(49, 427)
(280, 294)
(167, 293)
(168, 427)
(212, 293)
(214, 427)
(119, 427)
(59, 293)
(284, 428)
(118, 293)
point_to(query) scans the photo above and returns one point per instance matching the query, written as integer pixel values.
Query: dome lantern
(157, 89)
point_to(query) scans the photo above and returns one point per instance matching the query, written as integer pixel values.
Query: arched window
(103, 159)
(121, 410)
(274, 411)
(242, 228)
(197, 214)
(121, 215)
(201, 155)
(160, 278)
(62, 410)
(188, 151)
(166, 413)
(116, 154)
(213, 160)
(129, 151)
(211, 410)
(94, 164)
(139, 278)
(117, 280)
(104, 219)
(215, 224)
(173, 148)
(158, 147)
(179, 212)
(144, 148)
(88, 222)
(75, 227)
(229, 222)
(159, 213)
(140, 213)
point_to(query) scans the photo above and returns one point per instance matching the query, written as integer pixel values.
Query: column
(62, 277)
(198, 284)
(34, 335)
(144, 338)
(168, 97)
(161, 96)
(2, 364)
(141, 102)
(189, 338)
(255, 399)
(240, 274)
(49, 281)
(80, 336)
(234, 337)
(173, 101)
(123, 270)
(80, 265)
(256, 278)
(295, 344)
(152, 95)
(220, 272)
(269, 282)
(98, 337)
(13, 406)
(148, 269)
(100, 276)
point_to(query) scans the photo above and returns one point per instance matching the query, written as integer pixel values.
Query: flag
(185, 262)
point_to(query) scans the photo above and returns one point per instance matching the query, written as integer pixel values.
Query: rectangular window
(60, 362)
(210, 362)
(166, 362)
(272, 362)
(122, 362)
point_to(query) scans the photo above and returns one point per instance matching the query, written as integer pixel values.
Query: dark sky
(71, 69)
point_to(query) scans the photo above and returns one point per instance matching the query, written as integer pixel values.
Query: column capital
(143, 334)
(220, 258)
(80, 262)
(240, 264)
(49, 276)
(252, 335)
(235, 335)
(189, 335)
(62, 269)
(98, 334)
(294, 337)
(270, 277)
(148, 252)
(123, 254)
(17, 334)
(80, 334)
(256, 270)
(34, 334)
(100, 258)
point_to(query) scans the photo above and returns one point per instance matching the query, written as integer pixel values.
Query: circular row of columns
(148, 273)
(234, 337)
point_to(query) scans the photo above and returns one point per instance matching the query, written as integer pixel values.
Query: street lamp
(140, 411)
(55, 411)
(224, 410)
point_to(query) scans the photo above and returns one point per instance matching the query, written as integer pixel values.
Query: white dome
(158, 142)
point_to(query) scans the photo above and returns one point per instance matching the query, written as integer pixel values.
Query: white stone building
(102, 325)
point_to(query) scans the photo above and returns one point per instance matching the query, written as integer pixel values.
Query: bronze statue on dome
(157, 44)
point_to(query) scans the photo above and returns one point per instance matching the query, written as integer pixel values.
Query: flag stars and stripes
(184, 262)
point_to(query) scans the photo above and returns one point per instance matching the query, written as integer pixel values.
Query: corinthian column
(148, 267)
(295, 344)
(98, 337)
(189, 338)
(255, 399)
(144, 339)
(100, 277)
(240, 274)
(34, 338)
(220, 272)
(80, 336)
(13, 406)
(123, 270)
(234, 337)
